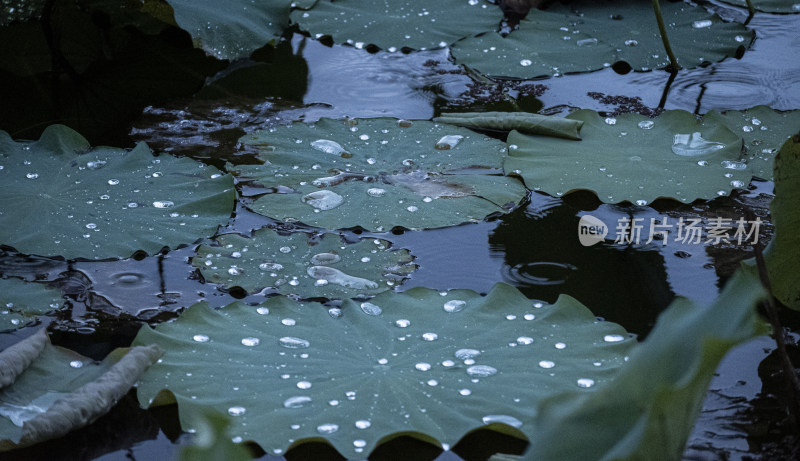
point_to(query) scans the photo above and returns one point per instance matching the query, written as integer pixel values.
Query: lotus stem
(750, 8)
(673, 62)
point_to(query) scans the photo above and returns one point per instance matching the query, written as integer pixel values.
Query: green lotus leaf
(326, 268)
(414, 362)
(634, 158)
(60, 390)
(764, 131)
(395, 24)
(59, 197)
(523, 122)
(782, 255)
(379, 173)
(770, 6)
(590, 35)
(648, 409)
(21, 302)
(232, 29)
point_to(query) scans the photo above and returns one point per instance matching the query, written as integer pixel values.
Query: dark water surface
(535, 247)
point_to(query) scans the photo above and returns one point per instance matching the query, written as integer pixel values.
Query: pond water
(533, 248)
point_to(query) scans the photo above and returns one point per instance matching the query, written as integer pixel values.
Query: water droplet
(647, 124)
(432, 382)
(236, 411)
(423, 366)
(363, 424)
(376, 191)
(448, 363)
(291, 342)
(76, 364)
(95, 164)
(505, 419)
(328, 428)
(298, 401)
(546, 364)
(692, 145)
(234, 270)
(351, 395)
(340, 278)
(464, 354)
(371, 309)
(611, 121)
(525, 340)
(448, 142)
(733, 165)
(525, 62)
(702, 24)
(560, 346)
(747, 129)
(430, 336)
(263, 310)
(303, 385)
(163, 204)
(587, 42)
(481, 371)
(613, 338)
(455, 305)
(359, 443)
(270, 266)
(250, 341)
(32, 175)
(329, 147)
(113, 182)
(585, 382)
(200, 338)
(324, 259)
(737, 183)
(702, 162)
(739, 38)
(412, 208)
(631, 42)
(289, 322)
(285, 250)
(236, 439)
(402, 323)
(323, 199)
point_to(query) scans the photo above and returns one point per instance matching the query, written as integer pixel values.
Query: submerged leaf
(379, 173)
(62, 391)
(590, 35)
(634, 158)
(329, 268)
(60, 197)
(395, 24)
(523, 122)
(648, 409)
(21, 302)
(417, 361)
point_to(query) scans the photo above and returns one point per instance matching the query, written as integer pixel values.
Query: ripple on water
(539, 273)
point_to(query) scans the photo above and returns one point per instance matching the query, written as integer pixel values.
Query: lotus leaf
(764, 131)
(422, 362)
(326, 268)
(232, 29)
(59, 197)
(62, 390)
(21, 301)
(379, 173)
(590, 35)
(634, 158)
(648, 409)
(782, 255)
(395, 24)
(770, 6)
